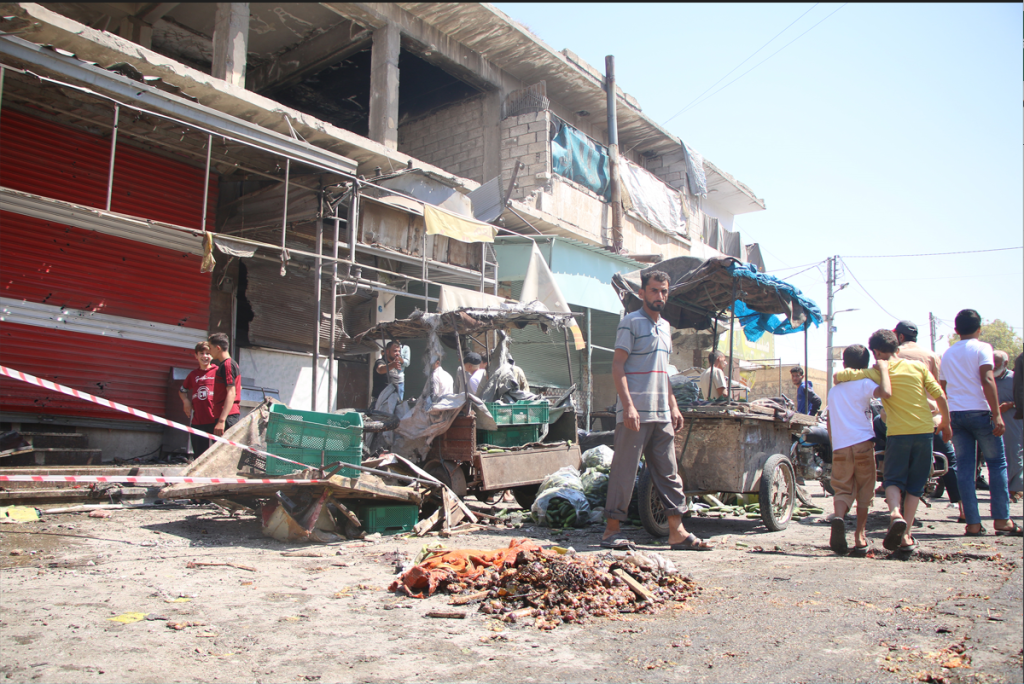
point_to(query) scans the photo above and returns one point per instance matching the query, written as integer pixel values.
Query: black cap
(907, 329)
(473, 358)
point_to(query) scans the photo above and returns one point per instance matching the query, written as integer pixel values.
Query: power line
(900, 256)
(787, 268)
(692, 105)
(739, 65)
(865, 289)
(815, 265)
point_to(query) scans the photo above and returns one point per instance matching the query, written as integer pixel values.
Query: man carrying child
(853, 449)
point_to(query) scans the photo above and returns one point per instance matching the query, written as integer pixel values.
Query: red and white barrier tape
(142, 479)
(85, 396)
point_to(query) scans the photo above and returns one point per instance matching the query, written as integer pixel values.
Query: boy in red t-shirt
(227, 386)
(197, 397)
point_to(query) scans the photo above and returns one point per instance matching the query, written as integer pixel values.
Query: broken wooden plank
(468, 598)
(201, 564)
(640, 590)
(427, 524)
(447, 614)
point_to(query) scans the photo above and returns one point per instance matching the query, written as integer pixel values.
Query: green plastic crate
(302, 436)
(386, 518)
(520, 413)
(311, 457)
(511, 435)
(314, 430)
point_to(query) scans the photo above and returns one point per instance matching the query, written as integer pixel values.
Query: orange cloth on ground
(465, 564)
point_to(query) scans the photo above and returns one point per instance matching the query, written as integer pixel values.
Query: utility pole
(830, 269)
(931, 328)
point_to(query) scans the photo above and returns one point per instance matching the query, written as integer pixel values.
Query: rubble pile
(526, 583)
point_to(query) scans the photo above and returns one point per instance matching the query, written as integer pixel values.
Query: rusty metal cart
(740, 450)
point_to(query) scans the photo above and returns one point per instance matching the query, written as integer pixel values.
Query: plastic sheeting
(580, 159)
(695, 172)
(658, 204)
(756, 324)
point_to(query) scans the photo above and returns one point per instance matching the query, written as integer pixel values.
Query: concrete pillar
(230, 41)
(387, 44)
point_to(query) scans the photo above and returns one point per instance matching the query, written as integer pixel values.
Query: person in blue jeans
(966, 377)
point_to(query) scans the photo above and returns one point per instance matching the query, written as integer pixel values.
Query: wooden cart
(733, 449)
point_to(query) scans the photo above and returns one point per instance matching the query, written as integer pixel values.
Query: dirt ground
(774, 607)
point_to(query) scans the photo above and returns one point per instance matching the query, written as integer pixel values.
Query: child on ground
(853, 450)
(197, 397)
(909, 429)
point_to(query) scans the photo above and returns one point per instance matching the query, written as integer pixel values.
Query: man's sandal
(894, 537)
(691, 543)
(1015, 531)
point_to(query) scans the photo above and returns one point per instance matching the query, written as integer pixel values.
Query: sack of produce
(686, 390)
(561, 507)
(599, 458)
(595, 487)
(566, 476)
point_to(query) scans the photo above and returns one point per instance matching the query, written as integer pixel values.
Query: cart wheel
(456, 479)
(777, 493)
(652, 512)
(525, 495)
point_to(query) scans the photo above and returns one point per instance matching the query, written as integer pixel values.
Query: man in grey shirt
(1014, 435)
(646, 417)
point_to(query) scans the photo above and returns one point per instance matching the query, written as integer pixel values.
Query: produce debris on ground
(527, 583)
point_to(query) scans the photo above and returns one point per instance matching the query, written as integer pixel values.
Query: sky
(877, 130)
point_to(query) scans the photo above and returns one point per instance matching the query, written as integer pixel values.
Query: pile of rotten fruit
(525, 582)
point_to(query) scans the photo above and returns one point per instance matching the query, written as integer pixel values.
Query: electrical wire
(691, 106)
(787, 268)
(850, 273)
(900, 256)
(794, 275)
(739, 65)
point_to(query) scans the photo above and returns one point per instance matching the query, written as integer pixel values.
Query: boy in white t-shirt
(966, 377)
(853, 449)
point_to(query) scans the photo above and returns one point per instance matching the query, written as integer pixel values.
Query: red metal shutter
(45, 262)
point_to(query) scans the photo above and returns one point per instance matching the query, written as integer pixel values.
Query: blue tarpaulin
(580, 159)
(756, 324)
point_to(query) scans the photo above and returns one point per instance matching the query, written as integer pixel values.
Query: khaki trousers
(656, 441)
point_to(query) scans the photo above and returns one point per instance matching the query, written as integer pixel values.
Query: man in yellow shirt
(909, 429)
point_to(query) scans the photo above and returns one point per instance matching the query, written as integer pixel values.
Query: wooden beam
(327, 49)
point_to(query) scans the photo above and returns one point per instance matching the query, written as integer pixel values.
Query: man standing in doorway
(646, 417)
(966, 376)
(227, 386)
(806, 400)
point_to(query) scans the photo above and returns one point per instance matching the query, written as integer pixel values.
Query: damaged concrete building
(304, 147)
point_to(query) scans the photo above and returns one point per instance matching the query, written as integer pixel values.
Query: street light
(831, 329)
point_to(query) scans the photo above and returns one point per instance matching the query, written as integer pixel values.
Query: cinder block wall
(525, 138)
(450, 138)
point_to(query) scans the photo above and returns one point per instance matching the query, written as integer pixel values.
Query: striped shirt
(649, 345)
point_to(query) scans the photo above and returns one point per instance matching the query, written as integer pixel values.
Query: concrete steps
(54, 448)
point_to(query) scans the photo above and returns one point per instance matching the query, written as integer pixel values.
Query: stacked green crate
(311, 436)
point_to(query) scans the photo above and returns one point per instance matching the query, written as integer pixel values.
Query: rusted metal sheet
(726, 454)
(64, 163)
(526, 467)
(284, 309)
(458, 443)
